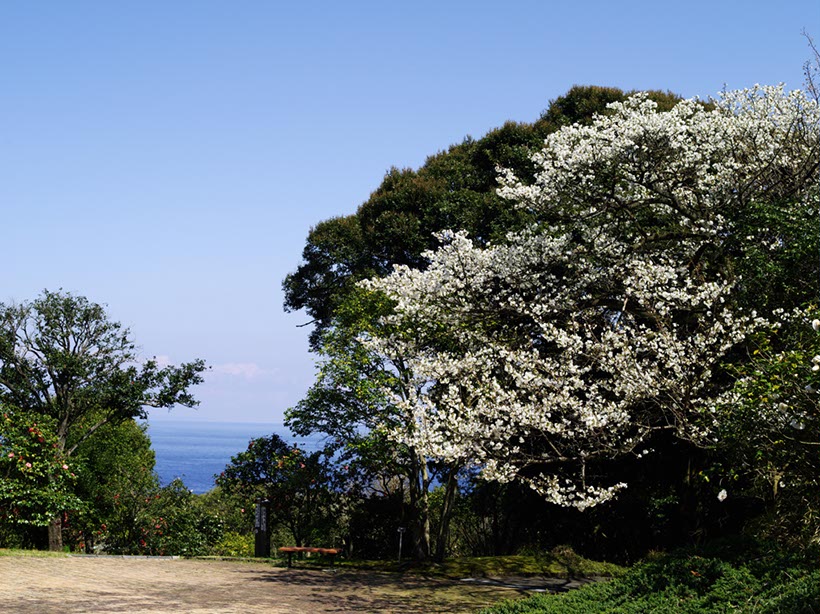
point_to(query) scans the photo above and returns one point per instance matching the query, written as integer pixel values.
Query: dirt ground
(116, 584)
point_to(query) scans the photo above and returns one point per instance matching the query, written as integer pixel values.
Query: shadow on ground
(112, 584)
(357, 591)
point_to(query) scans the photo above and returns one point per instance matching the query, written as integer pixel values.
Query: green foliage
(62, 357)
(126, 512)
(64, 360)
(234, 511)
(346, 394)
(178, 524)
(36, 481)
(581, 103)
(774, 252)
(748, 579)
(116, 479)
(346, 402)
(770, 430)
(234, 545)
(799, 596)
(171, 521)
(299, 486)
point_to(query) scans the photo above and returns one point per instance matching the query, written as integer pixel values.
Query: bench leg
(290, 559)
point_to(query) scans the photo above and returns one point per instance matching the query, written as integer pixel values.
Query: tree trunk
(495, 523)
(443, 536)
(55, 525)
(420, 508)
(423, 540)
(55, 533)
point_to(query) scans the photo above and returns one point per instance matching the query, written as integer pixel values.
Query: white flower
(722, 495)
(815, 324)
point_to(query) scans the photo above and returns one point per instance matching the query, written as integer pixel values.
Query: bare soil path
(114, 584)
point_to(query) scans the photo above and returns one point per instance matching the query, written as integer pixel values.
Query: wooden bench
(291, 550)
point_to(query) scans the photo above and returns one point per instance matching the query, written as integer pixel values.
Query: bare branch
(811, 68)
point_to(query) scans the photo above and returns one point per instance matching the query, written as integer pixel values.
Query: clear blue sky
(168, 158)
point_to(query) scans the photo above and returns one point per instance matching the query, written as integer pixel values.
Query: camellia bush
(613, 319)
(36, 481)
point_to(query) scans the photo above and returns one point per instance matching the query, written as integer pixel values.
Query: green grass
(561, 563)
(30, 553)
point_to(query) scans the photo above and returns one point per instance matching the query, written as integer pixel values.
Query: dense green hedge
(732, 579)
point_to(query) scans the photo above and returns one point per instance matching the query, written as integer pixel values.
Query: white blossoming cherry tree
(578, 341)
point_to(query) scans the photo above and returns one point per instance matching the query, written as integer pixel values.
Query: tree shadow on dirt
(344, 591)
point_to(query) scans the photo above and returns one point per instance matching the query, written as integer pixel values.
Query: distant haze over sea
(196, 451)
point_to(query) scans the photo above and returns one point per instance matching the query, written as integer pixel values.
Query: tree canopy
(63, 358)
(300, 486)
(353, 399)
(454, 189)
(611, 317)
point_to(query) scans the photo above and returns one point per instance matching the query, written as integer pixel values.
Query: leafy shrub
(176, 524)
(35, 479)
(234, 544)
(170, 521)
(746, 580)
(300, 487)
(116, 482)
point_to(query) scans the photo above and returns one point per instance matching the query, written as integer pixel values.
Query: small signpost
(261, 530)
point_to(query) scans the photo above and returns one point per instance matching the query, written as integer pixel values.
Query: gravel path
(116, 584)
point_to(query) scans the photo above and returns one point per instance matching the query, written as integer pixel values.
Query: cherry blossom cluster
(578, 340)
(693, 165)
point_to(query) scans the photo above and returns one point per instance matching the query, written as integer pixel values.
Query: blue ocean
(197, 451)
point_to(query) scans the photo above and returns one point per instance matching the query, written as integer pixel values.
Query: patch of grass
(30, 553)
(561, 562)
